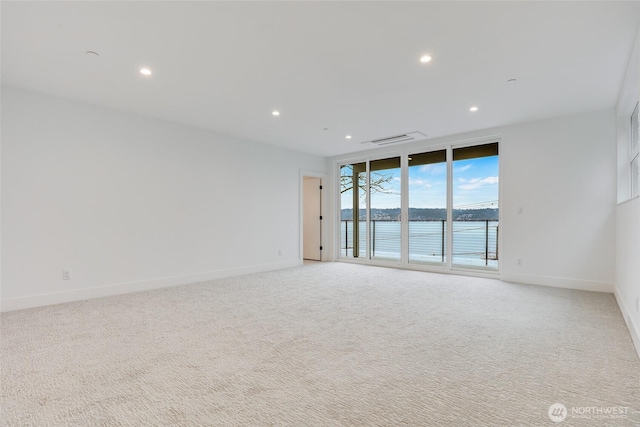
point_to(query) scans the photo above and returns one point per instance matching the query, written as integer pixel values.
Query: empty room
(306, 213)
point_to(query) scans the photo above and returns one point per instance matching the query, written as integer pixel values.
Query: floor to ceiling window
(436, 208)
(385, 210)
(475, 207)
(428, 207)
(353, 210)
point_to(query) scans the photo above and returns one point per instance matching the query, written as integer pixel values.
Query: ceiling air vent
(406, 137)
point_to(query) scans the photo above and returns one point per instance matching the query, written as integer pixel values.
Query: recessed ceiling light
(145, 71)
(473, 109)
(425, 58)
(275, 112)
(511, 81)
(348, 136)
(92, 53)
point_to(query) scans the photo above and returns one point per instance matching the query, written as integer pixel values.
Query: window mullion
(449, 207)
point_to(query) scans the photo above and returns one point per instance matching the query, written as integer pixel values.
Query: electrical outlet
(520, 210)
(66, 274)
(519, 262)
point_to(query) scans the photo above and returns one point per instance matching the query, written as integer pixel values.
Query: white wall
(128, 202)
(562, 172)
(628, 212)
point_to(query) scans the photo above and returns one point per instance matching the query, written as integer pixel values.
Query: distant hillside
(425, 214)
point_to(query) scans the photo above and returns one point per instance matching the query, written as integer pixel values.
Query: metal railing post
(486, 244)
(373, 239)
(443, 221)
(497, 240)
(346, 237)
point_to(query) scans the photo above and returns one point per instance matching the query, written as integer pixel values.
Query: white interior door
(312, 223)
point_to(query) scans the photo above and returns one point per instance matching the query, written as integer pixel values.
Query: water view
(475, 243)
(463, 179)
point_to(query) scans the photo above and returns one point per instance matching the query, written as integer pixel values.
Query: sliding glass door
(353, 210)
(380, 220)
(428, 207)
(438, 208)
(385, 209)
(475, 207)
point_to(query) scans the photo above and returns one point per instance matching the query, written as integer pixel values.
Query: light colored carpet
(325, 344)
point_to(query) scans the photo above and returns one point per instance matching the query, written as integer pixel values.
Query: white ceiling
(351, 67)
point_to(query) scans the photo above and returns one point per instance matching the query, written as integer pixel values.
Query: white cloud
(490, 180)
(419, 182)
(434, 168)
(463, 168)
(474, 183)
(469, 186)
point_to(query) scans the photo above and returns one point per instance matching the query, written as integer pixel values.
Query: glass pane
(353, 209)
(428, 207)
(475, 207)
(635, 147)
(635, 132)
(634, 176)
(385, 209)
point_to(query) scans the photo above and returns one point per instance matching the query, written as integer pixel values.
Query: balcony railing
(475, 242)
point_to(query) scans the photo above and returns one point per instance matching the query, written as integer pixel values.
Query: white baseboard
(626, 314)
(559, 282)
(144, 285)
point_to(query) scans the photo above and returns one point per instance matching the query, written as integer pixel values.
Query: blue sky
(475, 185)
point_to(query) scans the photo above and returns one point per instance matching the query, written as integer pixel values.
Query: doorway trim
(326, 245)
